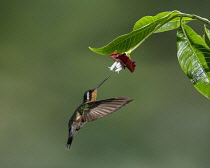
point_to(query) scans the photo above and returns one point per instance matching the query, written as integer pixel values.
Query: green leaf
(149, 19)
(130, 41)
(207, 36)
(194, 58)
(172, 24)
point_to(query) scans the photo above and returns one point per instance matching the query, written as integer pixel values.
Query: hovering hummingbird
(90, 110)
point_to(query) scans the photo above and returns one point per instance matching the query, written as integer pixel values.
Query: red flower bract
(125, 60)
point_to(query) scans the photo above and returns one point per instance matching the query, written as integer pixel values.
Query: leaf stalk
(194, 17)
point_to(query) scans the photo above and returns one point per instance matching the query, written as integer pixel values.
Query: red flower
(122, 61)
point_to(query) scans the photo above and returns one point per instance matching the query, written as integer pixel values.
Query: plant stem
(195, 17)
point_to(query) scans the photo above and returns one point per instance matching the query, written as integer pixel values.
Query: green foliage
(194, 58)
(207, 36)
(150, 19)
(193, 50)
(173, 24)
(169, 25)
(142, 30)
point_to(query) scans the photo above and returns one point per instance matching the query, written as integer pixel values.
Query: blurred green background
(46, 66)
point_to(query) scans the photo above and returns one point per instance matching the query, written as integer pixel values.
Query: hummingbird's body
(90, 110)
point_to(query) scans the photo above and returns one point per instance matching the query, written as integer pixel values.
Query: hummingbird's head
(90, 95)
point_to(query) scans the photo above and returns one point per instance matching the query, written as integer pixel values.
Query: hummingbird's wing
(98, 109)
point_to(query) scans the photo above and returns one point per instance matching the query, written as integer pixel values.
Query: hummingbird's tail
(70, 139)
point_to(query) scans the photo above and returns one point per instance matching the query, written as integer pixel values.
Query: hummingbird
(91, 109)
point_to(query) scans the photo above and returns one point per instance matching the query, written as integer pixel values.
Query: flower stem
(194, 17)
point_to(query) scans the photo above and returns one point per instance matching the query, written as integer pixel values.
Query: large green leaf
(194, 58)
(207, 36)
(170, 25)
(130, 41)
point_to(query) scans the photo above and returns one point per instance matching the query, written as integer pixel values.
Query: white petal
(119, 67)
(113, 66)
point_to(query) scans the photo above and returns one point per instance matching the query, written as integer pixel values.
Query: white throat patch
(88, 95)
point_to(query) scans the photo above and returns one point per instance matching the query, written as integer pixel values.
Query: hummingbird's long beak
(101, 83)
(94, 91)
